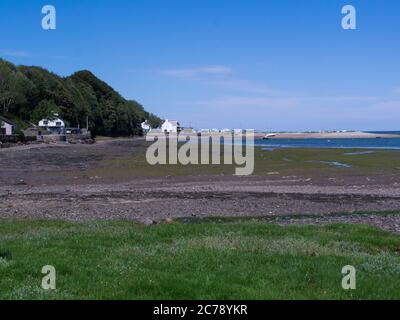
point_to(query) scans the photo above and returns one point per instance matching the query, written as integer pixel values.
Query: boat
(268, 136)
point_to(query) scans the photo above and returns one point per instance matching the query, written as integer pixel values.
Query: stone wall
(7, 141)
(80, 138)
(52, 138)
(14, 138)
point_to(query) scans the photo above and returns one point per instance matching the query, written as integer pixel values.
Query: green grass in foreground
(246, 260)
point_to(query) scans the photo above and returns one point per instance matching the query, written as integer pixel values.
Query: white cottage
(170, 126)
(6, 126)
(53, 124)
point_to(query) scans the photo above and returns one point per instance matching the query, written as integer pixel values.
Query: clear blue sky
(267, 64)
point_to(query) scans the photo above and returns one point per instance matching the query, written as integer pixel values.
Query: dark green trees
(32, 93)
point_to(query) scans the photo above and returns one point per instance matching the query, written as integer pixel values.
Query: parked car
(73, 131)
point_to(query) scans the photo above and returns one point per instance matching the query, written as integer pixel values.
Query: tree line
(29, 94)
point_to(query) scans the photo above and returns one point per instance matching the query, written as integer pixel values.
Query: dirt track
(30, 187)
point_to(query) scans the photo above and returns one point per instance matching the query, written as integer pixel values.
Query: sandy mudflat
(58, 183)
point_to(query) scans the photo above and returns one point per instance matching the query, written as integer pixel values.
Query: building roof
(52, 118)
(6, 120)
(173, 122)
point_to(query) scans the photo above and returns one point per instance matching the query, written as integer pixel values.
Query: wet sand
(34, 184)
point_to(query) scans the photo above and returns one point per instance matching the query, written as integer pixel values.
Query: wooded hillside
(28, 94)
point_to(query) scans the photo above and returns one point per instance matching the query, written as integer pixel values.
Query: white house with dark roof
(170, 126)
(53, 124)
(6, 126)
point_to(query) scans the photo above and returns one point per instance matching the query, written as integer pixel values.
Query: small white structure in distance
(145, 126)
(6, 126)
(53, 124)
(226, 130)
(170, 126)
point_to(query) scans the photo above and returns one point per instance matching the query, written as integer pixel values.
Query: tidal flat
(111, 180)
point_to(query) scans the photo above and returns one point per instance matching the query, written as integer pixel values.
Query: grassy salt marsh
(206, 260)
(284, 161)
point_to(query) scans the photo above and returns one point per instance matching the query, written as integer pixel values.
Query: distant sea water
(383, 132)
(385, 143)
